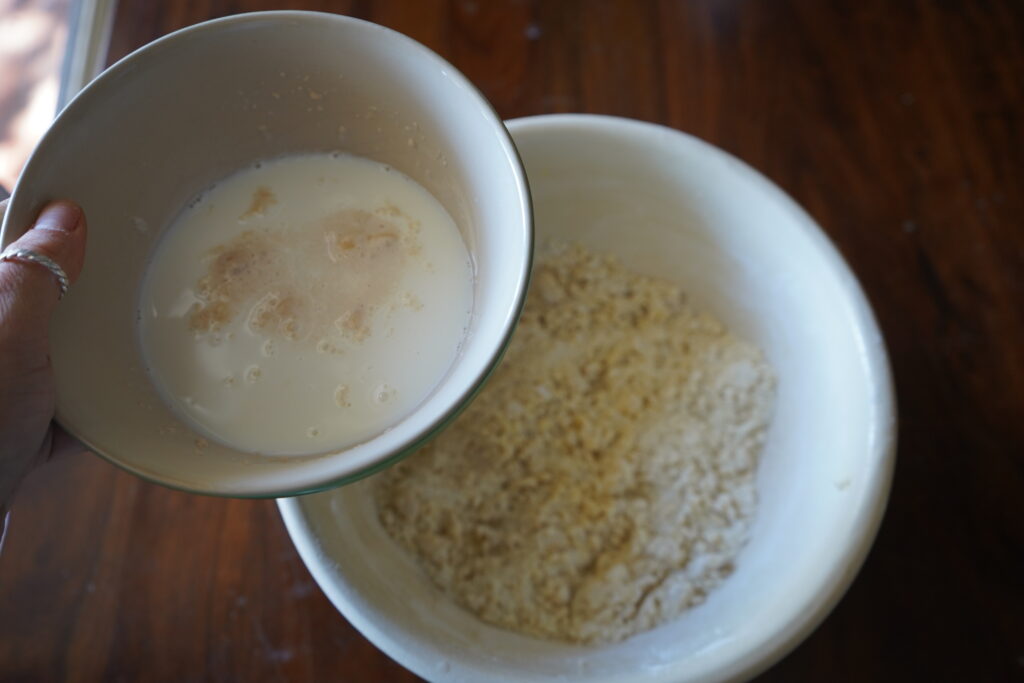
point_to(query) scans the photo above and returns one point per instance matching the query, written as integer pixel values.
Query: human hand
(28, 296)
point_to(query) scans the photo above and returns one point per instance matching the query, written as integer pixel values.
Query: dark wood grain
(898, 125)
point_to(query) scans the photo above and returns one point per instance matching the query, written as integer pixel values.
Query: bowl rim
(337, 474)
(818, 603)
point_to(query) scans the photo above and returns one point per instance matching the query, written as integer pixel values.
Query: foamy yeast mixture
(304, 304)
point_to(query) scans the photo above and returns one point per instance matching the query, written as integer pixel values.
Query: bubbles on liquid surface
(275, 289)
(384, 393)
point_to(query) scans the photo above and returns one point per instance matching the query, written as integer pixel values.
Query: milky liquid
(305, 304)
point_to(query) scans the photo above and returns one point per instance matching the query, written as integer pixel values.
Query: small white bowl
(670, 205)
(169, 120)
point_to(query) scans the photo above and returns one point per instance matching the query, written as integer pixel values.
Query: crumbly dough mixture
(603, 481)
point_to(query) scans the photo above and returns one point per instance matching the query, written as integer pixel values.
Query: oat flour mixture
(603, 481)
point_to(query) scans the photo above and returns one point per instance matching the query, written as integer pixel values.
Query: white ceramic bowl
(673, 206)
(171, 119)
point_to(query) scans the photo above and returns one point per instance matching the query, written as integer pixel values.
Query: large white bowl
(168, 121)
(673, 206)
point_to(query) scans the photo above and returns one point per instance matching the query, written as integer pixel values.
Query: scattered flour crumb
(604, 480)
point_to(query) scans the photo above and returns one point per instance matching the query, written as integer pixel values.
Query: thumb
(29, 291)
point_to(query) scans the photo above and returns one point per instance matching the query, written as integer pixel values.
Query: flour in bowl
(604, 480)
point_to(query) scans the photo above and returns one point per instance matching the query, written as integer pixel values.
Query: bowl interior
(672, 206)
(169, 121)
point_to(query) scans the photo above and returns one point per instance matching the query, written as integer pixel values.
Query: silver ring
(29, 256)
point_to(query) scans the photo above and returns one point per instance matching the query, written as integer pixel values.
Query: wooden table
(898, 125)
